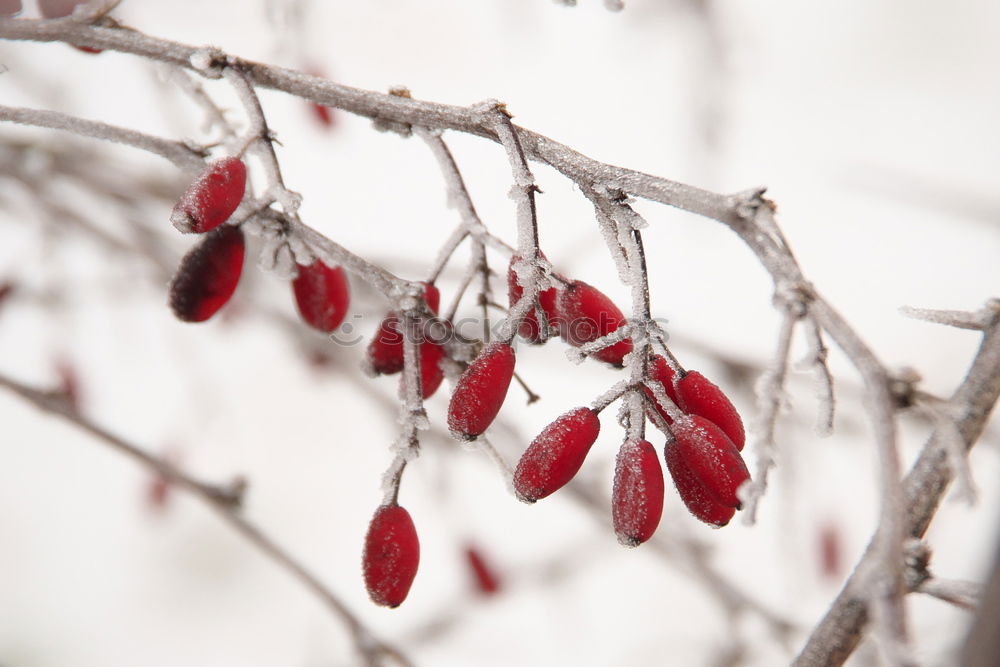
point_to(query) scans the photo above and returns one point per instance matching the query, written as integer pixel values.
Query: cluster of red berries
(209, 272)
(702, 456)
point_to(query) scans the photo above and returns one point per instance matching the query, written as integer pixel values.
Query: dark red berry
(484, 576)
(712, 458)
(208, 275)
(212, 197)
(660, 371)
(698, 396)
(323, 115)
(322, 294)
(385, 351)
(432, 296)
(391, 556)
(431, 374)
(529, 328)
(637, 496)
(481, 391)
(696, 498)
(587, 314)
(556, 454)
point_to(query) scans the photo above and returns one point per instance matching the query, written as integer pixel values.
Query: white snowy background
(873, 124)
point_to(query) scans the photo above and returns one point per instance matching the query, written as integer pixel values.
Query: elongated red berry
(696, 498)
(212, 197)
(698, 396)
(322, 294)
(484, 576)
(480, 391)
(431, 374)
(587, 314)
(208, 275)
(529, 328)
(660, 371)
(385, 351)
(712, 458)
(391, 556)
(556, 454)
(637, 495)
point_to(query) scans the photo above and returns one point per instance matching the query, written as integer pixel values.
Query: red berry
(392, 553)
(322, 114)
(712, 458)
(660, 371)
(556, 454)
(480, 391)
(212, 197)
(485, 578)
(698, 396)
(385, 351)
(431, 374)
(637, 498)
(587, 314)
(529, 328)
(432, 296)
(696, 498)
(322, 294)
(208, 275)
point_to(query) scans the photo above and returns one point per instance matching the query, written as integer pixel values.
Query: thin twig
(225, 502)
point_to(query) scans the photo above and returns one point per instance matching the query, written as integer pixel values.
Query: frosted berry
(587, 314)
(481, 391)
(698, 396)
(385, 351)
(696, 498)
(529, 328)
(391, 556)
(660, 371)
(212, 197)
(711, 457)
(483, 575)
(322, 294)
(556, 454)
(208, 275)
(637, 495)
(431, 374)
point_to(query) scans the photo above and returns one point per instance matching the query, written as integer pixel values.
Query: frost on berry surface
(711, 457)
(661, 373)
(431, 374)
(519, 273)
(208, 275)
(637, 495)
(480, 391)
(699, 396)
(212, 197)
(696, 498)
(391, 556)
(322, 295)
(587, 314)
(556, 454)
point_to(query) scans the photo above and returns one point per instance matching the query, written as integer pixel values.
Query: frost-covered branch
(840, 631)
